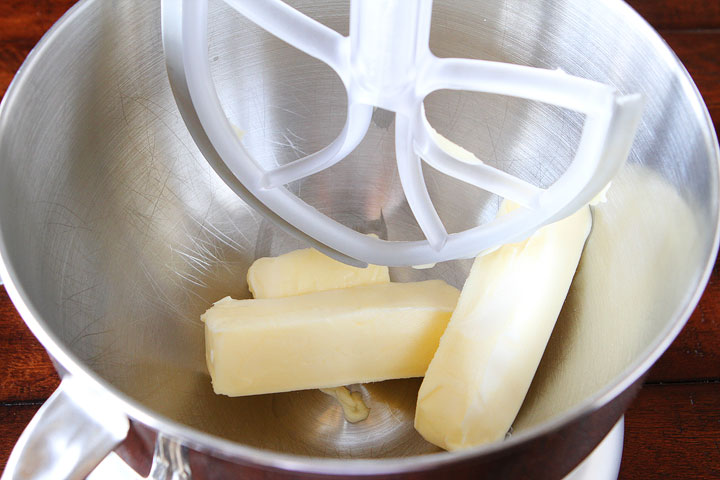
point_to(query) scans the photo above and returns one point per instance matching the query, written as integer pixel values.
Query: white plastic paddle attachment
(386, 62)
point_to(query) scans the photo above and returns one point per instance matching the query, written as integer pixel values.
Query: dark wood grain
(679, 14)
(12, 55)
(700, 53)
(22, 23)
(673, 432)
(715, 115)
(13, 420)
(26, 374)
(695, 354)
(28, 20)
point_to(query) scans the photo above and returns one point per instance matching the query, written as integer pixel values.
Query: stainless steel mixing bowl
(116, 235)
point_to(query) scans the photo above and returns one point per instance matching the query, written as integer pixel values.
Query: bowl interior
(121, 235)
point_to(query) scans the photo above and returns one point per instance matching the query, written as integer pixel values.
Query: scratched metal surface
(123, 235)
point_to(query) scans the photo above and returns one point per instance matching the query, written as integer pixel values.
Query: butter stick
(326, 339)
(305, 271)
(486, 360)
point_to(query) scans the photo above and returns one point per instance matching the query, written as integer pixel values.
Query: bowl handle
(70, 434)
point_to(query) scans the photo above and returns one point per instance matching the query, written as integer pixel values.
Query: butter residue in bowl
(352, 403)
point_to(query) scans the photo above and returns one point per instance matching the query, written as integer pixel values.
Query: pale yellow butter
(486, 360)
(305, 271)
(354, 408)
(326, 339)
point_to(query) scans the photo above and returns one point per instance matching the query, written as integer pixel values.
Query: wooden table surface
(672, 429)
